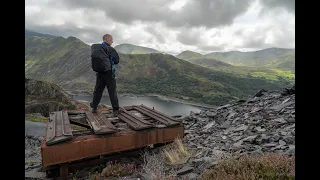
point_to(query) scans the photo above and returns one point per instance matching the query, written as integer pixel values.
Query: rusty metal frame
(133, 121)
(58, 128)
(167, 120)
(86, 146)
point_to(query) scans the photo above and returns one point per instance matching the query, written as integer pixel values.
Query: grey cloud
(289, 5)
(216, 34)
(258, 39)
(93, 35)
(255, 42)
(255, 39)
(221, 47)
(195, 13)
(159, 37)
(239, 32)
(188, 37)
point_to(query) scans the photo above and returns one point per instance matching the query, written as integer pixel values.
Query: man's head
(107, 38)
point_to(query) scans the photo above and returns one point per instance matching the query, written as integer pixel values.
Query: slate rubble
(264, 123)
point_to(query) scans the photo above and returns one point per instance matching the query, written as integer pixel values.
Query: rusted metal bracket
(59, 128)
(133, 121)
(100, 124)
(167, 120)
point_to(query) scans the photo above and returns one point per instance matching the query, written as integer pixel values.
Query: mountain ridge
(280, 58)
(33, 33)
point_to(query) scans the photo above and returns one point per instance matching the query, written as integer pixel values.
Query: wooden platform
(135, 127)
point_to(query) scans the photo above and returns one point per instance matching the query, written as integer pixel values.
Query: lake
(168, 107)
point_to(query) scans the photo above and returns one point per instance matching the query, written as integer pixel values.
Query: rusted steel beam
(64, 171)
(58, 128)
(133, 121)
(167, 120)
(93, 145)
(99, 123)
(75, 166)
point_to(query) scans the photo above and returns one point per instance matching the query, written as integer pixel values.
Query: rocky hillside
(133, 49)
(66, 62)
(43, 97)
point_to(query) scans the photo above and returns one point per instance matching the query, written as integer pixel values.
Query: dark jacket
(114, 56)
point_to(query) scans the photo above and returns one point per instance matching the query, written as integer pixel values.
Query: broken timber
(156, 115)
(100, 124)
(59, 128)
(133, 121)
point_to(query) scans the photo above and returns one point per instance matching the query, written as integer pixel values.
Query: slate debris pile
(262, 123)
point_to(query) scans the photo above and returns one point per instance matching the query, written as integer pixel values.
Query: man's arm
(114, 55)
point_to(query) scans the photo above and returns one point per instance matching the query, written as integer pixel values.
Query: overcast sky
(171, 26)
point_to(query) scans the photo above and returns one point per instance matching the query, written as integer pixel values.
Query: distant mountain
(271, 64)
(66, 62)
(271, 57)
(32, 33)
(133, 49)
(188, 55)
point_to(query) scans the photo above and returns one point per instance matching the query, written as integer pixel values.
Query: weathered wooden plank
(133, 121)
(100, 124)
(166, 120)
(58, 128)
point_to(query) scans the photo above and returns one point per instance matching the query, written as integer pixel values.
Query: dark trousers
(105, 79)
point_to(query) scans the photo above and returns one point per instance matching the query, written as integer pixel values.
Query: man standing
(107, 56)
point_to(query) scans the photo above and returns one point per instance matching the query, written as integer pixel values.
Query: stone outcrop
(43, 97)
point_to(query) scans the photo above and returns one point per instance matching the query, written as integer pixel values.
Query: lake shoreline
(161, 97)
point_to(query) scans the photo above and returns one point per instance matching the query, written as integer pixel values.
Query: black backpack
(100, 61)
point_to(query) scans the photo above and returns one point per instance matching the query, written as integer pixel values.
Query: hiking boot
(93, 109)
(115, 113)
